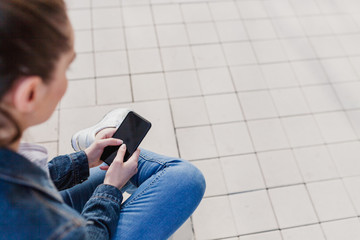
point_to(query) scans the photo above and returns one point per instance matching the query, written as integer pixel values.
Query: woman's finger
(109, 132)
(109, 142)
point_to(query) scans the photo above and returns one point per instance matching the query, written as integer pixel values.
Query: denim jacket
(32, 208)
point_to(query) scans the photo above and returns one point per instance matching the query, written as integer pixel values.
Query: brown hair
(33, 35)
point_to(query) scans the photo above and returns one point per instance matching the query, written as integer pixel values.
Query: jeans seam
(142, 155)
(152, 183)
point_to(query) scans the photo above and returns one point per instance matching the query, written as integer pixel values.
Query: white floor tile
(279, 168)
(232, 138)
(167, 13)
(312, 232)
(339, 69)
(342, 24)
(268, 134)
(309, 72)
(260, 29)
(345, 156)
(111, 63)
(208, 56)
(239, 53)
(354, 117)
(316, 25)
(302, 131)
(200, 33)
(322, 98)
(298, 49)
(109, 39)
(290, 101)
(148, 86)
(279, 75)
(288, 27)
(83, 41)
(349, 43)
(352, 185)
(335, 127)
(328, 6)
(215, 80)
(106, 17)
(145, 60)
(137, 15)
(80, 18)
(347, 229)
(257, 105)
(230, 31)
(223, 108)
(182, 84)
(106, 3)
(355, 62)
(253, 212)
(172, 35)
(331, 200)
(292, 206)
(217, 223)
(269, 51)
(248, 78)
(196, 143)
(214, 176)
(81, 67)
(189, 112)
(195, 12)
(242, 173)
(327, 46)
(273, 235)
(315, 163)
(140, 37)
(177, 58)
(72, 98)
(112, 90)
(306, 7)
(251, 9)
(348, 94)
(279, 8)
(71, 4)
(225, 10)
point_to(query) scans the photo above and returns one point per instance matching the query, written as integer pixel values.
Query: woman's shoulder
(31, 214)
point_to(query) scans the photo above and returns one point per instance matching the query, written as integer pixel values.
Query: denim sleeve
(68, 170)
(102, 212)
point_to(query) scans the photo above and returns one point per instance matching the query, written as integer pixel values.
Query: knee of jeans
(191, 178)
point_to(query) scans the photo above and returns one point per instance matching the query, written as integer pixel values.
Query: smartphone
(132, 131)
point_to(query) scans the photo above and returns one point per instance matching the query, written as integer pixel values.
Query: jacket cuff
(81, 166)
(109, 192)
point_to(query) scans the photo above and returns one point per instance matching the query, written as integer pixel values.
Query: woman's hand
(102, 140)
(120, 172)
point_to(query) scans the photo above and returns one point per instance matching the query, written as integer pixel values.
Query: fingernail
(119, 141)
(123, 146)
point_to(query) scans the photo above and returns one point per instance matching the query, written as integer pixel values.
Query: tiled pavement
(261, 95)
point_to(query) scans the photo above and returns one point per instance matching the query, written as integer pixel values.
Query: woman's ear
(26, 93)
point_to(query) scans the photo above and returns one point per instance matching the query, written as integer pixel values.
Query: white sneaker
(85, 137)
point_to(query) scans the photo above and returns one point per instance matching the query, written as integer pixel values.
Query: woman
(36, 48)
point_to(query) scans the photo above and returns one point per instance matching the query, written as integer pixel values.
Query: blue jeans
(164, 193)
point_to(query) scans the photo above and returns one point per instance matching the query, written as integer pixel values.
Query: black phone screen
(132, 131)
